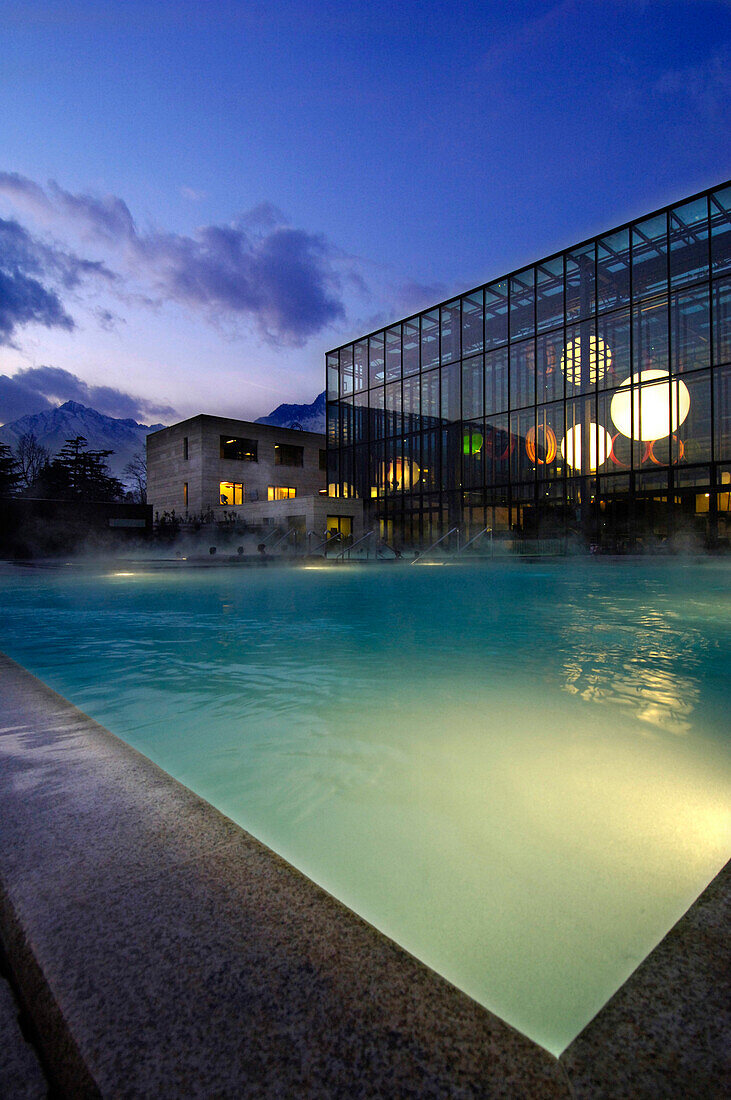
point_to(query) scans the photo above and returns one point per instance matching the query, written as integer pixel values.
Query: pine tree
(77, 473)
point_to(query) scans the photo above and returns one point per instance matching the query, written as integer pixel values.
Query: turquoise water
(518, 772)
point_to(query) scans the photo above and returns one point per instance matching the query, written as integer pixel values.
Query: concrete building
(220, 469)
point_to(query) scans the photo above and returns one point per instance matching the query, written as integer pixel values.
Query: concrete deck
(162, 951)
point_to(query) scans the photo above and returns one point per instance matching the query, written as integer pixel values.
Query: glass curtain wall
(585, 396)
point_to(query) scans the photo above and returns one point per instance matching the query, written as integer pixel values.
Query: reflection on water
(483, 762)
(658, 682)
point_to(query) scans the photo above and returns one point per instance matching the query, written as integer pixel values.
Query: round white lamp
(653, 409)
(600, 444)
(600, 360)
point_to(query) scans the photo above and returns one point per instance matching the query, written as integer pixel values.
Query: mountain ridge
(310, 418)
(52, 427)
(126, 437)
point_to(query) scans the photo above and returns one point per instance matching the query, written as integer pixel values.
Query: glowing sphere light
(472, 443)
(600, 360)
(401, 474)
(653, 408)
(600, 444)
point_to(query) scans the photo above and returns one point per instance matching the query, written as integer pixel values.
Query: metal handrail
(274, 531)
(324, 542)
(287, 533)
(430, 548)
(347, 549)
(484, 531)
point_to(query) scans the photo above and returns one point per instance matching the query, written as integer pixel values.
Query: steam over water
(519, 772)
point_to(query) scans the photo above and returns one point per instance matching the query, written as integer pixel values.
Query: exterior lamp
(600, 444)
(600, 360)
(656, 407)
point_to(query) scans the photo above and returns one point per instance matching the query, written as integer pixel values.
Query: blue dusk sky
(198, 199)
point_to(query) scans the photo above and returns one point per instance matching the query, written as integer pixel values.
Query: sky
(198, 199)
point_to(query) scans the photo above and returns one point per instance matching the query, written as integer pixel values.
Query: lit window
(185, 494)
(241, 450)
(281, 492)
(286, 454)
(231, 492)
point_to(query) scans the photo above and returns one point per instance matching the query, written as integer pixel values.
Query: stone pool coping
(162, 951)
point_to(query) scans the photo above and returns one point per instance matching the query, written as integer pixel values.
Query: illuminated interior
(473, 415)
(281, 492)
(231, 492)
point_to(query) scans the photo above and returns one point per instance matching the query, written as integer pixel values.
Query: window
(231, 492)
(242, 450)
(185, 448)
(185, 491)
(285, 454)
(323, 459)
(340, 525)
(281, 492)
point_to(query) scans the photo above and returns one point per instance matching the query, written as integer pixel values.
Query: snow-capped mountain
(103, 433)
(310, 418)
(126, 437)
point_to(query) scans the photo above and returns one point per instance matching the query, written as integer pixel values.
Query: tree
(136, 471)
(77, 473)
(32, 459)
(9, 473)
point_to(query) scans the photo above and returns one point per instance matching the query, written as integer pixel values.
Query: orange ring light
(551, 446)
(615, 460)
(651, 451)
(509, 448)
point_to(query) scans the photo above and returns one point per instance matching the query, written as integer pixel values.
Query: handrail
(274, 531)
(430, 548)
(287, 533)
(324, 542)
(484, 531)
(347, 549)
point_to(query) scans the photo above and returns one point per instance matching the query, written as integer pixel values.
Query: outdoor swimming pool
(518, 772)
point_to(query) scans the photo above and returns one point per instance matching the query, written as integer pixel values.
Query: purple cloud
(36, 389)
(27, 267)
(259, 269)
(23, 297)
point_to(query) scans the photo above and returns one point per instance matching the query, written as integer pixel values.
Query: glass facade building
(587, 395)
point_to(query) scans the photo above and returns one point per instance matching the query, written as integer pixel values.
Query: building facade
(218, 469)
(585, 395)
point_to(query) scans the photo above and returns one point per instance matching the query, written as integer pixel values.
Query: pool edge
(158, 945)
(414, 1031)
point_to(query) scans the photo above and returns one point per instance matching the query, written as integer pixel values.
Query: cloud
(193, 195)
(31, 275)
(258, 269)
(36, 389)
(17, 399)
(23, 297)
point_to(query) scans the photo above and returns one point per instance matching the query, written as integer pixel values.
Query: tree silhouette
(32, 458)
(9, 473)
(77, 473)
(136, 469)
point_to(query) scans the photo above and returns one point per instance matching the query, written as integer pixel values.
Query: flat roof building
(585, 395)
(216, 468)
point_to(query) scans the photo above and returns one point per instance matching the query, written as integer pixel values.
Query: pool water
(518, 772)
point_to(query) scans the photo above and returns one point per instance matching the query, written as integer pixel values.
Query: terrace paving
(162, 951)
